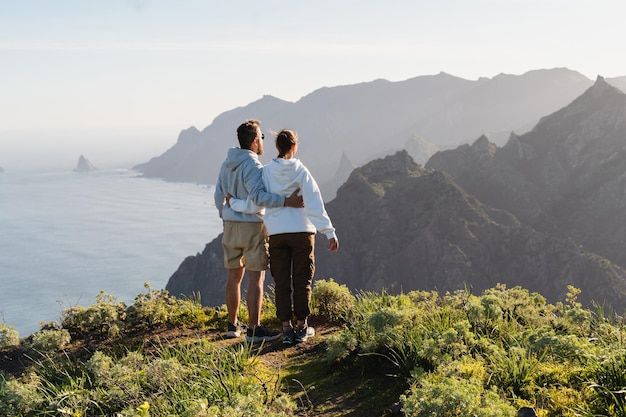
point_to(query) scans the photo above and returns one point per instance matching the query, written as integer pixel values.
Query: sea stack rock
(84, 165)
(1, 170)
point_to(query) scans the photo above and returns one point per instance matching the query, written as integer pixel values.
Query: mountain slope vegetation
(422, 353)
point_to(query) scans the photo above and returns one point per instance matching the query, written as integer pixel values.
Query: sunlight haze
(144, 70)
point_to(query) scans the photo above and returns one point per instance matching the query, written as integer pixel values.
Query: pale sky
(72, 67)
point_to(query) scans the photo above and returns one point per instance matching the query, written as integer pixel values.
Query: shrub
(9, 337)
(331, 299)
(501, 312)
(341, 345)
(50, 339)
(154, 308)
(106, 316)
(20, 397)
(151, 309)
(444, 396)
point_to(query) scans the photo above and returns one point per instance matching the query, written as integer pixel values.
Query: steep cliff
(403, 227)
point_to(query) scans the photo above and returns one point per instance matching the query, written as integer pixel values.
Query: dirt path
(319, 388)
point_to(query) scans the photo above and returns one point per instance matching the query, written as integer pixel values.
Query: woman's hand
(333, 244)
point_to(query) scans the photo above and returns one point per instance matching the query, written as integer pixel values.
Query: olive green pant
(292, 263)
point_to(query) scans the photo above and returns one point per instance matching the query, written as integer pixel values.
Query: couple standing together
(281, 200)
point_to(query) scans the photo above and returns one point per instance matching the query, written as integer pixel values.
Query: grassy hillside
(374, 354)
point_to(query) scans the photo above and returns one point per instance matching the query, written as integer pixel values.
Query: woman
(292, 235)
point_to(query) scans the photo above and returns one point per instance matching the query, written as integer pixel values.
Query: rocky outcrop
(403, 227)
(1, 170)
(329, 188)
(370, 120)
(566, 177)
(84, 165)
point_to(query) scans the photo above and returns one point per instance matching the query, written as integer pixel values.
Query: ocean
(66, 236)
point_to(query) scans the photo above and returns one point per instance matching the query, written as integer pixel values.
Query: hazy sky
(71, 68)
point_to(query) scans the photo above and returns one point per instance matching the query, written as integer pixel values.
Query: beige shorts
(245, 245)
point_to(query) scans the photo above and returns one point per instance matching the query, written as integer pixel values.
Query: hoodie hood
(241, 176)
(285, 171)
(236, 156)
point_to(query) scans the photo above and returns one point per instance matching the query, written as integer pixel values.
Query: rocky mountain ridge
(370, 120)
(403, 227)
(566, 177)
(544, 211)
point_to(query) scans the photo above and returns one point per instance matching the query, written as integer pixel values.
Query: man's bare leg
(254, 297)
(233, 293)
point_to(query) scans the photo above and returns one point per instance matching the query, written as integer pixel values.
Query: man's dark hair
(246, 133)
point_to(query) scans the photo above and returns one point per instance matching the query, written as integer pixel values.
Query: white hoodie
(283, 177)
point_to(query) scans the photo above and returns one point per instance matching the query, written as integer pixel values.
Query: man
(245, 236)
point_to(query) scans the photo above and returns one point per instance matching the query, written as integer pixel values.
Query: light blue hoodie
(241, 176)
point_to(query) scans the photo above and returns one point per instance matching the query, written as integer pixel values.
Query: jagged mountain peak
(482, 145)
(600, 90)
(601, 85)
(374, 177)
(567, 176)
(392, 166)
(395, 178)
(465, 157)
(601, 103)
(588, 130)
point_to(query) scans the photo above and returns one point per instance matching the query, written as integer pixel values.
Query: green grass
(427, 353)
(369, 389)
